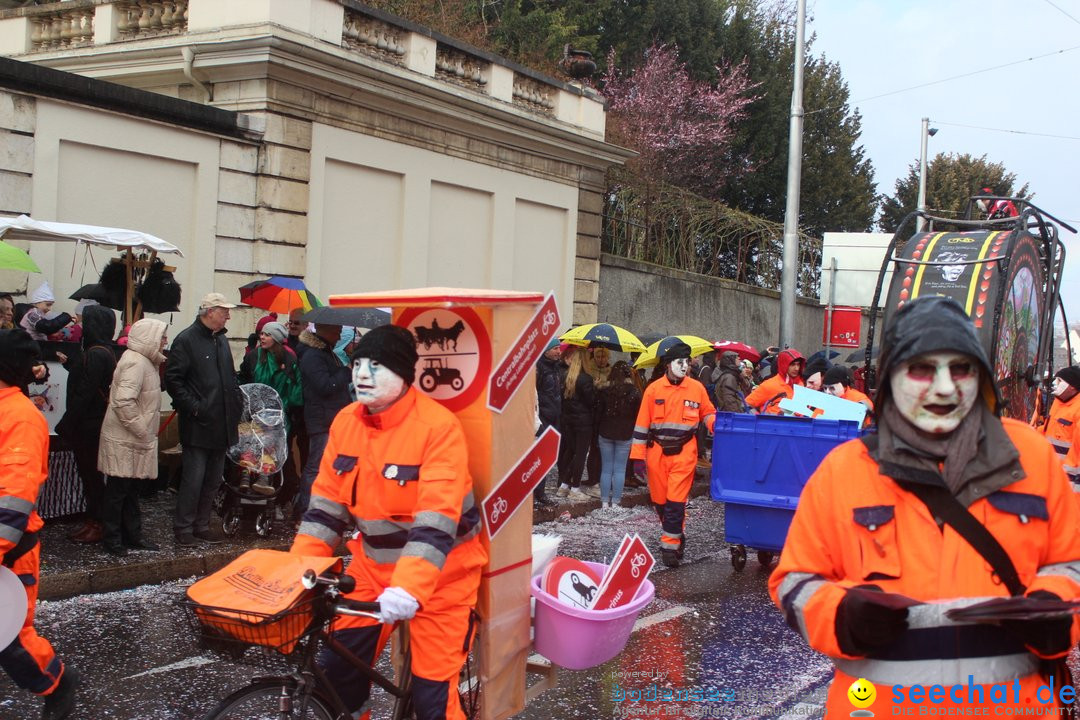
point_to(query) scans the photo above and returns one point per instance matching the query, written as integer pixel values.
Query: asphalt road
(709, 628)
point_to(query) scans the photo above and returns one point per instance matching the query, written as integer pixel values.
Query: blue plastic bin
(759, 466)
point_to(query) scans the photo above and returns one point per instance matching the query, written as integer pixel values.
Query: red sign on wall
(522, 355)
(845, 329)
(518, 484)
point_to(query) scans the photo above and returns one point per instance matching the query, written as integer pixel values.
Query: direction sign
(517, 485)
(523, 354)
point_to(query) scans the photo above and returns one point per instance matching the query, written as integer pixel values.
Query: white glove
(395, 604)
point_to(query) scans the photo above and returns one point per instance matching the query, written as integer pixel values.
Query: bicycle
(297, 635)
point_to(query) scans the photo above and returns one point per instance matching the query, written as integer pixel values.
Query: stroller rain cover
(262, 444)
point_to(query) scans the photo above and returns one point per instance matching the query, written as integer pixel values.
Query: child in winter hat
(37, 321)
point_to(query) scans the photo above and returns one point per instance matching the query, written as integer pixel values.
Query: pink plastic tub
(579, 639)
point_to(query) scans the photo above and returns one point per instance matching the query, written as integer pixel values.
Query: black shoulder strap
(26, 544)
(944, 505)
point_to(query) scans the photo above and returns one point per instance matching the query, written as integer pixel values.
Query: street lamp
(927, 132)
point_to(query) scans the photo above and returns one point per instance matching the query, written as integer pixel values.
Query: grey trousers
(199, 481)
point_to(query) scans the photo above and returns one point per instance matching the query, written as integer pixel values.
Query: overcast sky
(884, 46)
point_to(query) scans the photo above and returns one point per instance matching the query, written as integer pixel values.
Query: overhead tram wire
(1062, 11)
(1005, 130)
(945, 80)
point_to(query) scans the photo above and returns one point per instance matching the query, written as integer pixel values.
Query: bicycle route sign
(523, 354)
(517, 485)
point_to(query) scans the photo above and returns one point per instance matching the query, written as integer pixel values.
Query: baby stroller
(254, 478)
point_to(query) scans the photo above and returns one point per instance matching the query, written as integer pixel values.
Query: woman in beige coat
(128, 450)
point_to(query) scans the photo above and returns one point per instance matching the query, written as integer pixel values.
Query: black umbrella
(93, 291)
(351, 316)
(860, 355)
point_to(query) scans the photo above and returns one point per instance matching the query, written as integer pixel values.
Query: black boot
(670, 557)
(61, 701)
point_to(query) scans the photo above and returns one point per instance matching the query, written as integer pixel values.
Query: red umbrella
(744, 351)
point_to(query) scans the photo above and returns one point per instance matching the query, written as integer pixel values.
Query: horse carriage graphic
(445, 338)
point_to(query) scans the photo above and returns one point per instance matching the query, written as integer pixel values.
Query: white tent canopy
(24, 227)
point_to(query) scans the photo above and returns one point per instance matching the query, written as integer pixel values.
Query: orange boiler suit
(401, 476)
(1062, 429)
(855, 525)
(670, 415)
(766, 397)
(24, 464)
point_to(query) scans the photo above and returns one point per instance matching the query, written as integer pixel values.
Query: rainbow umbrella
(651, 356)
(279, 294)
(604, 335)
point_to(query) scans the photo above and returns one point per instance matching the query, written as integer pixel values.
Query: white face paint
(678, 368)
(814, 381)
(376, 385)
(1059, 387)
(936, 391)
(836, 389)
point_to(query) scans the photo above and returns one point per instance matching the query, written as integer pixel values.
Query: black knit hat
(18, 355)
(1070, 374)
(837, 374)
(392, 346)
(676, 351)
(817, 365)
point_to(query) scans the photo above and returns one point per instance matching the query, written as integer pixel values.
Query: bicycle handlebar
(341, 584)
(344, 582)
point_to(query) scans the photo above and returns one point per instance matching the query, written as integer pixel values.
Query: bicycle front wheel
(271, 700)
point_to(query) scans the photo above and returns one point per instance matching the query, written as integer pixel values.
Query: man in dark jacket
(726, 379)
(89, 379)
(201, 378)
(326, 390)
(550, 373)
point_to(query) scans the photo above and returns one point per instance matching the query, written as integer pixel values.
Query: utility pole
(789, 274)
(925, 133)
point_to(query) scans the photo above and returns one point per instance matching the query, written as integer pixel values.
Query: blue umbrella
(820, 355)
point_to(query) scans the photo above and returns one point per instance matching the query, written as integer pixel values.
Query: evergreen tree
(838, 192)
(951, 181)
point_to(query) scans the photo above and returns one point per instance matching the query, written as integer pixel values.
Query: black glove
(868, 619)
(1047, 636)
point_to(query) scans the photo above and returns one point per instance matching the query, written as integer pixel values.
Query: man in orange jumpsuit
(664, 445)
(766, 397)
(396, 466)
(838, 382)
(24, 464)
(1062, 428)
(884, 541)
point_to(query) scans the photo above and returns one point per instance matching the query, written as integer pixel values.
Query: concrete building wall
(649, 299)
(412, 161)
(390, 215)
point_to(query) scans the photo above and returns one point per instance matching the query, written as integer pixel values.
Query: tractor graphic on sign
(436, 372)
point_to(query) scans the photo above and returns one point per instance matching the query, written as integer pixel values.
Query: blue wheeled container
(759, 466)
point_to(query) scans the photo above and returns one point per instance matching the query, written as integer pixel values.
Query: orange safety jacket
(854, 526)
(401, 476)
(1062, 429)
(766, 397)
(858, 396)
(669, 416)
(24, 465)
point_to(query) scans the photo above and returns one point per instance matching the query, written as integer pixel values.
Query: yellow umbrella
(651, 356)
(605, 335)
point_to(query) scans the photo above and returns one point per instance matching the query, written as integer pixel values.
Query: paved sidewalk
(70, 568)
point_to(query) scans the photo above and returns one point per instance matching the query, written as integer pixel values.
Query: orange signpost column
(463, 336)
